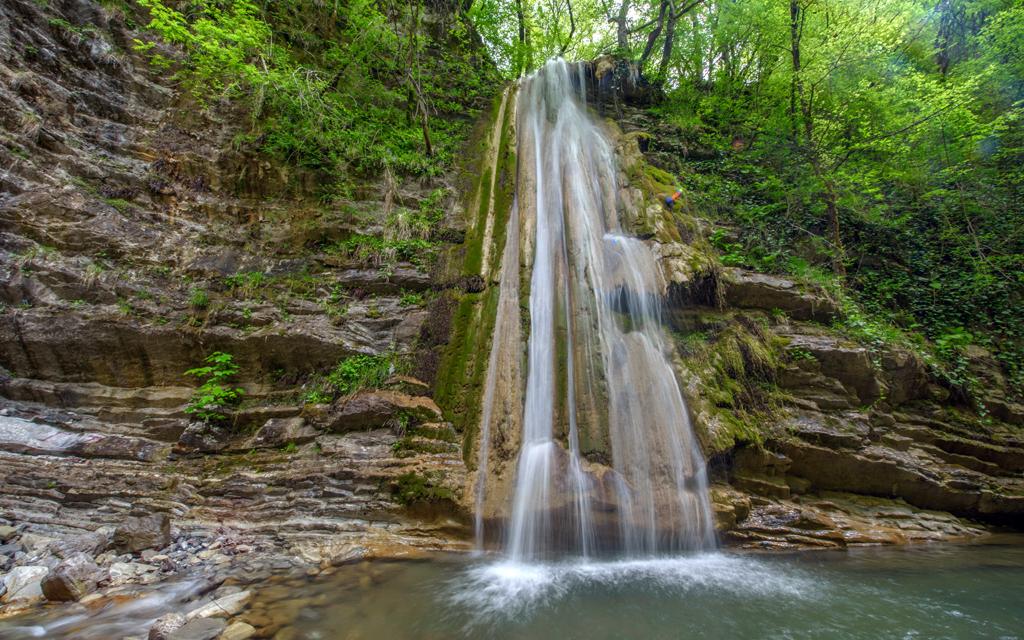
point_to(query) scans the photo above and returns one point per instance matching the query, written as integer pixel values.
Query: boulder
(375, 409)
(749, 290)
(199, 629)
(91, 544)
(24, 436)
(24, 584)
(842, 360)
(125, 572)
(147, 532)
(223, 607)
(166, 625)
(278, 432)
(73, 578)
(203, 437)
(238, 631)
(905, 374)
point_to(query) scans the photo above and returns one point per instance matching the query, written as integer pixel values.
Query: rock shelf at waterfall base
(864, 594)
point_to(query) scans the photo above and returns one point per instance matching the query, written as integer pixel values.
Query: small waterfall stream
(597, 358)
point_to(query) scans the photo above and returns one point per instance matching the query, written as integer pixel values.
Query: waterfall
(608, 462)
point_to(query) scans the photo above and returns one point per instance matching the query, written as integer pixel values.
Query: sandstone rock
(146, 532)
(223, 607)
(238, 631)
(199, 629)
(73, 578)
(7, 533)
(408, 385)
(125, 572)
(165, 626)
(91, 544)
(399, 278)
(844, 361)
(906, 375)
(33, 542)
(281, 431)
(375, 409)
(24, 584)
(203, 437)
(747, 289)
(23, 436)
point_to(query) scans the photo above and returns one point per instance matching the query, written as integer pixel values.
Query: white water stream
(595, 340)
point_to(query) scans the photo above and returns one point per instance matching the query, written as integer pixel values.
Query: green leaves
(213, 400)
(329, 85)
(360, 372)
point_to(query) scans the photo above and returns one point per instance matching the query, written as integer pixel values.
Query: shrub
(213, 399)
(198, 298)
(360, 372)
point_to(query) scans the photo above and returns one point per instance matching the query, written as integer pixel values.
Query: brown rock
(747, 289)
(278, 432)
(146, 532)
(375, 409)
(71, 579)
(165, 626)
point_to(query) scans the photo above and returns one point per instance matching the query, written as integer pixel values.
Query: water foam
(513, 591)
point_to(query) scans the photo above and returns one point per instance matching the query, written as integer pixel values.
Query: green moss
(414, 488)
(737, 366)
(460, 380)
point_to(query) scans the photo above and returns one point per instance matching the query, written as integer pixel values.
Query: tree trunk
(666, 49)
(523, 62)
(795, 84)
(652, 37)
(622, 32)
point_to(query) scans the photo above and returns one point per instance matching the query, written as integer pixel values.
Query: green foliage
(360, 372)
(412, 299)
(316, 396)
(385, 253)
(908, 118)
(347, 88)
(797, 354)
(245, 283)
(412, 488)
(120, 204)
(198, 298)
(213, 399)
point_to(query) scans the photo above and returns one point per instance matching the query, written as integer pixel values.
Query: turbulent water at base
(596, 352)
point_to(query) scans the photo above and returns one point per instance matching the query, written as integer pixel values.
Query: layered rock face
(135, 239)
(852, 444)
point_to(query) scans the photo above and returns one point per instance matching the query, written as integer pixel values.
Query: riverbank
(935, 590)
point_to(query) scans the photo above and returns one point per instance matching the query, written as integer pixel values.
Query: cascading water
(597, 356)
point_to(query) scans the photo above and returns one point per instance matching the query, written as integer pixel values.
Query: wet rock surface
(72, 579)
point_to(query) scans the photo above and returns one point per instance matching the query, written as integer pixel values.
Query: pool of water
(928, 592)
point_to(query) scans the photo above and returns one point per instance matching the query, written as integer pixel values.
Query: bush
(213, 399)
(360, 372)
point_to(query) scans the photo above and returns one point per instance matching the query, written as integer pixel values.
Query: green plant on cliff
(361, 372)
(737, 366)
(348, 88)
(412, 488)
(214, 399)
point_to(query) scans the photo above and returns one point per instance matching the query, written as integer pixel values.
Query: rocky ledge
(817, 440)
